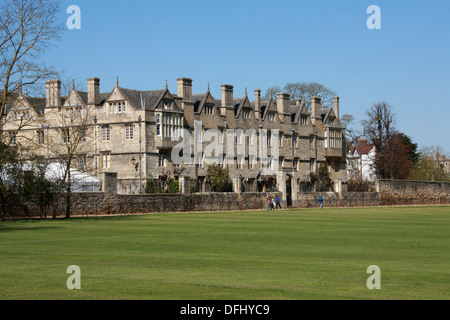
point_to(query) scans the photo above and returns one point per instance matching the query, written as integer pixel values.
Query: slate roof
(143, 99)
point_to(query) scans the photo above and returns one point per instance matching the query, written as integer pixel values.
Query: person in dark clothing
(278, 201)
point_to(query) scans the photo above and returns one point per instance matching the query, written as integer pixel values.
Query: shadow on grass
(30, 228)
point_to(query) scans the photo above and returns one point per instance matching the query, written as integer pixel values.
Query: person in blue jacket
(321, 202)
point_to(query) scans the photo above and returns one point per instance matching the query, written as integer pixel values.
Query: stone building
(134, 133)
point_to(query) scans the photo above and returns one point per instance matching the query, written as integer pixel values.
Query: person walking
(321, 202)
(278, 201)
(269, 204)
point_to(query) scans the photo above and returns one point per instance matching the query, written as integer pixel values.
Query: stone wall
(102, 203)
(402, 192)
(345, 199)
(389, 193)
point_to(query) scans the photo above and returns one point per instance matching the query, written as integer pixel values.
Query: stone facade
(133, 133)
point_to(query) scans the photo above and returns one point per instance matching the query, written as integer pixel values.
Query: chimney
(93, 91)
(336, 106)
(361, 142)
(258, 104)
(184, 87)
(53, 96)
(316, 103)
(227, 97)
(283, 102)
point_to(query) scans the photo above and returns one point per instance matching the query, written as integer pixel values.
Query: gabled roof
(147, 100)
(140, 99)
(201, 99)
(364, 149)
(329, 114)
(37, 104)
(269, 106)
(240, 103)
(297, 111)
(82, 96)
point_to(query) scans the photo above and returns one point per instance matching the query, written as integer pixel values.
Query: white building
(361, 161)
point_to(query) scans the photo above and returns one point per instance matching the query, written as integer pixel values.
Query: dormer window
(20, 115)
(246, 114)
(167, 105)
(208, 109)
(117, 107)
(271, 117)
(304, 120)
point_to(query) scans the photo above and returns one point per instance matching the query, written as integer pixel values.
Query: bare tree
(351, 134)
(302, 90)
(395, 152)
(70, 140)
(271, 93)
(307, 90)
(379, 125)
(27, 28)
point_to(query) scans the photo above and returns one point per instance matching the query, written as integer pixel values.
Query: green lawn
(259, 255)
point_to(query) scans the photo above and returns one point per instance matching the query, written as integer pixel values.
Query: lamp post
(292, 147)
(140, 156)
(95, 146)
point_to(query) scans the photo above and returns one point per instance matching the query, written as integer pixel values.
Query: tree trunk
(68, 194)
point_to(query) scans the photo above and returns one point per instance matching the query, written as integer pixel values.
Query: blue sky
(262, 43)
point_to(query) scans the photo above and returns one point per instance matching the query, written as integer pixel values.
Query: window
(335, 140)
(40, 137)
(304, 120)
(239, 137)
(167, 105)
(106, 160)
(325, 134)
(311, 165)
(65, 134)
(82, 132)
(246, 114)
(271, 117)
(250, 163)
(82, 163)
(169, 125)
(106, 133)
(129, 132)
(158, 125)
(311, 142)
(161, 160)
(208, 109)
(13, 138)
(118, 107)
(295, 141)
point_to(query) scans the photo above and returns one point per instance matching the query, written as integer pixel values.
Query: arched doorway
(289, 191)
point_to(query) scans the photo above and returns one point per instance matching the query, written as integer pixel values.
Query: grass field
(292, 254)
